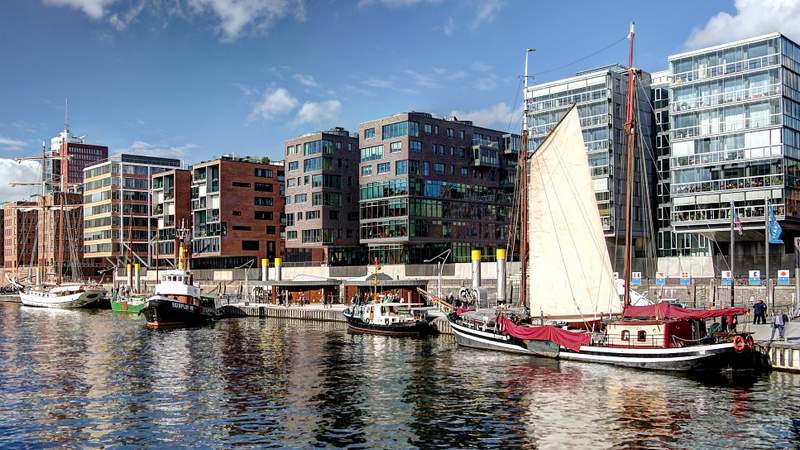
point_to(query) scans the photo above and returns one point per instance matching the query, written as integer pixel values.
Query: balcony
(703, 216)
(568, 100)
(726, 156)
(199, 203)
(486, 155)
(732, 184)
(721, 70)
(726, 126)
(597, 146)
(726, 98)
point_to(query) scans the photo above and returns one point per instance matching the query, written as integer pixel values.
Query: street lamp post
(440, 259)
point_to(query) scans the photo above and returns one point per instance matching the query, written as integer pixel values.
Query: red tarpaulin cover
(667, 311)
(568, 339)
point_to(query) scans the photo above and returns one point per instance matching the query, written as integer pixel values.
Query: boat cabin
(177, 284)
(389, 313)
(654, 333)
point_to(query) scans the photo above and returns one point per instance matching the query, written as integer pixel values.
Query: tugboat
(177, 301)
(388, 319)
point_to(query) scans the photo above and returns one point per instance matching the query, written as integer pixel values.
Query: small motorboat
(389, 319)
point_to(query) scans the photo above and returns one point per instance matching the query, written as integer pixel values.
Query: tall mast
(62, 195)
(522, 173)
(629, 131)
(43, 227)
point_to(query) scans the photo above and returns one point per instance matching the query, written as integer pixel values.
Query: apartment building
(237, 207)
(69, 236)
(172, 209)
(735, 137)
(117, 209)
(428, 185)
(20, 221)
(601, 96)
(322, 199)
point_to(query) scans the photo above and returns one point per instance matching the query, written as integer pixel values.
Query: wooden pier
(784, 356)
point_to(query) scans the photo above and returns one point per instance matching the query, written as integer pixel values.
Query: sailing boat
(58, 294)
(573, 293)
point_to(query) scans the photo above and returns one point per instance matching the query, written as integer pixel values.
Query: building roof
(700, 51)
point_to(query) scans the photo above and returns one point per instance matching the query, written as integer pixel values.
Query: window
(270, 229)
(263, 215)
(249, 245)
(384, 167)
(427, 128)
(290, 219)
(291, 235)
(395, 147)
(461, 134)
(464, 172)
(625, 335)
(291, 182)
(300, 198)
(263, 201)
(240, 184)
(438, 168)
(366, 171)
(426, 168)
(398, 129)
(450, 133)
(267, 187)
(401, 167)
(333, 214)
(294, 165)
(263, 173)
(436, 130)
(241, 228)
(641, 336)
(371, 153)
(369, 133)
(311, 215)
(415, 146)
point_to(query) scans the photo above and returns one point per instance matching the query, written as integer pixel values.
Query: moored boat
(61, 296)
(388, 318)
(128, 302)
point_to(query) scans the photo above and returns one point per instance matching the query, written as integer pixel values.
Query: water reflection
(96, 379)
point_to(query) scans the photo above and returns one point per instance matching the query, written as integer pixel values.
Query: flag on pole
(774, 228)
(737, 222)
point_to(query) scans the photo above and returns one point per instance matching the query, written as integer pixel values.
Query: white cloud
(487, 10)
(751, 18)
(96, 9)
(421, 79)
(449, 27)
(377, 83)
(486, 83)
(394, 3)
(276, 102)
(236, 16)
(25, 172)
(480, 66)
(11, 144)
(306, 80)
(318, 112)
(165, 151)
(120, 21)
(499, 115)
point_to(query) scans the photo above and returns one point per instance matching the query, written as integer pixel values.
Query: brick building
(322, 199)
(172, 209)
(20, 220)
(81, 155)
(428, 185)
(237, 206)
(47, 241)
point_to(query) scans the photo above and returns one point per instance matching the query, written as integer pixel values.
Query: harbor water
(95, 379)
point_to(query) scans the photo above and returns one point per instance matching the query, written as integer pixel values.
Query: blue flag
(774, 228)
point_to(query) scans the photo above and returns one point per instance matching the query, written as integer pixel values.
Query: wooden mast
(522, 173)
(630, 133)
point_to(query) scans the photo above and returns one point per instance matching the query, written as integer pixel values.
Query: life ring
(738, 343)
(751, 343)
(387, 321)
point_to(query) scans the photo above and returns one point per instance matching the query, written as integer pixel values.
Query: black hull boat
(163, 312)
(417, 328)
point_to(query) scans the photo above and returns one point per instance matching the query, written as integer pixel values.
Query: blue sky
(199, 78)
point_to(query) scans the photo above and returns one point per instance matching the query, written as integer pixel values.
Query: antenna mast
(629, 132)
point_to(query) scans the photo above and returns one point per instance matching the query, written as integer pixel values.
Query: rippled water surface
(90, 378)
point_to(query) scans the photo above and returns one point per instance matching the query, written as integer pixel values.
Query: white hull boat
(62, 297)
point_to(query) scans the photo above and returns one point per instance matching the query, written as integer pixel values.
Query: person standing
(759, 312)
(779, 324)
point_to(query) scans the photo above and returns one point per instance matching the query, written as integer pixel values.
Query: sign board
(661, 279)
(636, 278)
(783, 277)
(686, 279)
(727, 277)
(754, 278)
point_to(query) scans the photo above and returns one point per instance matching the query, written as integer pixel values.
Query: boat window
(626, 335)
(641, 336)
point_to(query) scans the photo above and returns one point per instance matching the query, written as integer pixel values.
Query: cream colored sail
(571, 277)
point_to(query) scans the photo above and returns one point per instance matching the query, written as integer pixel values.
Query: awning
(383, 280)
(668, 311)
(301, 280)
(568, 339)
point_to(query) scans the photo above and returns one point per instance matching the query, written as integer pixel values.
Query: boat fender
(738, 343)
(387, 321)
(751, 344)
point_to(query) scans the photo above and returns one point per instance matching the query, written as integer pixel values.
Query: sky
(195, 79)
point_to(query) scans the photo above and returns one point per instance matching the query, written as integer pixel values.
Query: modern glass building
(735, 137)
(601, 98)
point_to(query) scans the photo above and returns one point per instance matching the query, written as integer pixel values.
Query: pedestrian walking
(779, 323)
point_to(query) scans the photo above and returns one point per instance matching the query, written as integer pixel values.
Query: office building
(172, 210)
(601, 97)
(429, 185)
(80, 155)
(735, 137)
(20, 221)
(322, 199)
(237, 207)
(117, 209)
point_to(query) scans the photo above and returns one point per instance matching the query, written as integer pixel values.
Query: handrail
(724, 98)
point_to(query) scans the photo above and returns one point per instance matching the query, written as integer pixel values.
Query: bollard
(137, 268)
(264, 269)
(278, 263)
(476, 268)
(501, 274)
(129, 275)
